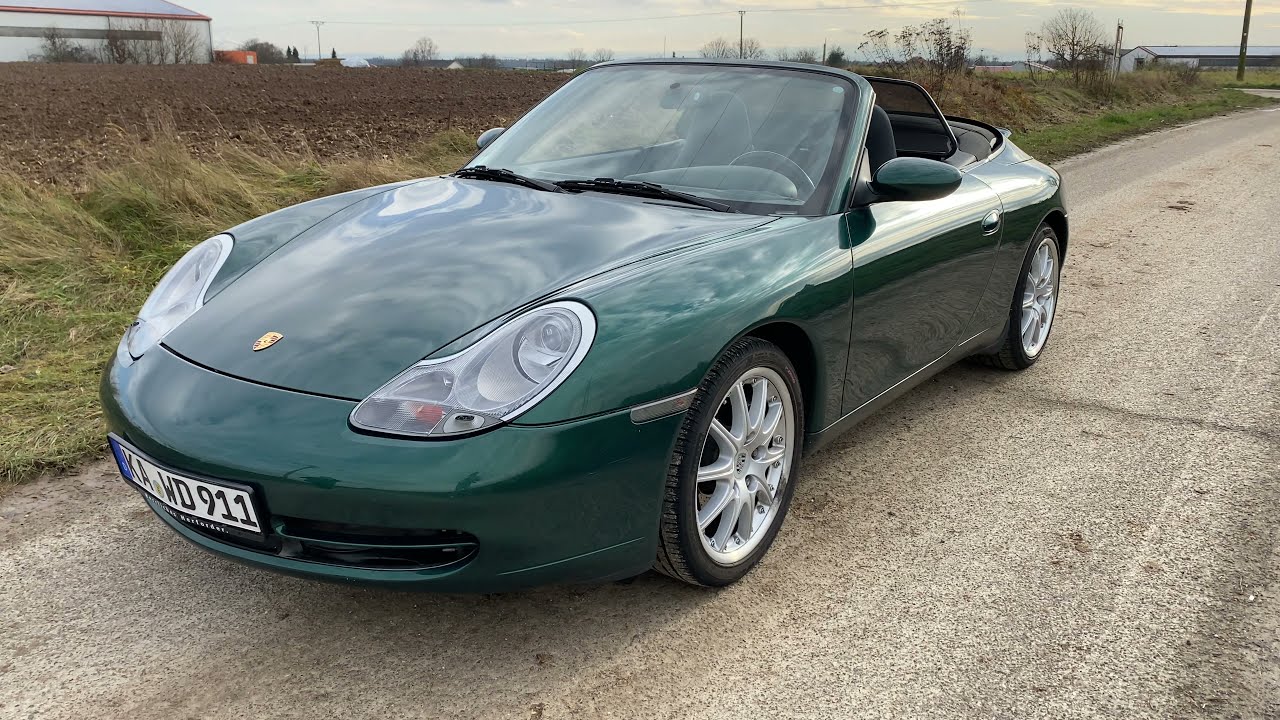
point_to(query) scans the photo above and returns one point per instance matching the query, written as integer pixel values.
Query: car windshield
(762, 140)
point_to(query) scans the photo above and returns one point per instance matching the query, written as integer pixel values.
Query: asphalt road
(1094, 537)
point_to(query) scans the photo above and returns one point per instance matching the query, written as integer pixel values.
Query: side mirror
(488, 136)
(909, 178)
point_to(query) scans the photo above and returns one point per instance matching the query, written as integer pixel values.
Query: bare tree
(602, 55)
(115, 48)
(142, 42)
(150, 42)
(577, 58)
(422, 52)
(803, 55)
(934, 52)
(946, 51)
(752, 49)
(893, 50)
(719, 48)
(1076, 40)
(1034, 55)
(178, 42)
(55, 47)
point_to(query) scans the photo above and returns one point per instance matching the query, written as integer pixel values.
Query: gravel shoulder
(1094, 537)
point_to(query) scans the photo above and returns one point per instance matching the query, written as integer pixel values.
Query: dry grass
(75, 266)
(1269, 79)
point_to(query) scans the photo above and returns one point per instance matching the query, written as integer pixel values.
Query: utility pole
(824, 51)
(1115, 56)
(317, 23)
(1244, 40)
(742, 48)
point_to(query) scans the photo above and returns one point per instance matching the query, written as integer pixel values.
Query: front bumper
(571, 502)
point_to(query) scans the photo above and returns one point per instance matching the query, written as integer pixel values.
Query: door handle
(991, 223)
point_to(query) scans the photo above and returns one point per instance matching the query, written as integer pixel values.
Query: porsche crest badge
(267, 341)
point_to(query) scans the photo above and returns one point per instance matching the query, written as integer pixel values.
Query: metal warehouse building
(1201, 56)
(144, 31)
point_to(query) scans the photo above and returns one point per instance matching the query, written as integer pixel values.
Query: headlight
(501, 376)
(178, 296)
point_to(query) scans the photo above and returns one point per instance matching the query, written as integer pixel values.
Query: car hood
(391, 279)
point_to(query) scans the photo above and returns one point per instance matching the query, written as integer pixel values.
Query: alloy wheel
(1039, 297)
(746, 459)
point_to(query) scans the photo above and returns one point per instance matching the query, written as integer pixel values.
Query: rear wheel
(1035, 300)
(732, 473)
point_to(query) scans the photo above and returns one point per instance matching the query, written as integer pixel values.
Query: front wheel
(733, 470)
(1035, 301)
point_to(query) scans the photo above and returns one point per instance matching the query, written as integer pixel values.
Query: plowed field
(57, 120)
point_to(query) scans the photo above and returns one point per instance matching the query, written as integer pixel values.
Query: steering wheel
(780, 164)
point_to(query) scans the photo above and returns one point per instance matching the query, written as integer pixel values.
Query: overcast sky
(517, 28)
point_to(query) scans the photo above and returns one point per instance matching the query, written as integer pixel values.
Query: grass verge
(75, 267)
(1055, 142)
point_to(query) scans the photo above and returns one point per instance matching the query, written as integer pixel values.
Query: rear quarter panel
(1030, 192)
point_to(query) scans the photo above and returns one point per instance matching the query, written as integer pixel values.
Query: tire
(1015, 353)
(689, 553)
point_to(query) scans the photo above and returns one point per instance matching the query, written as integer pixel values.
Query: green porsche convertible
(603, 346)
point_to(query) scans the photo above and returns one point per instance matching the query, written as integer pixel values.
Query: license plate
(206, 504)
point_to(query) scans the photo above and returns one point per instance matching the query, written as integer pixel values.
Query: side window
(919, 128)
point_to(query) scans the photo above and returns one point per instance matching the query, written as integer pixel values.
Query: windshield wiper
(481, 172)
(642, 189)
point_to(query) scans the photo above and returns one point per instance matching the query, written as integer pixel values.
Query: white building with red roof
(143, 31)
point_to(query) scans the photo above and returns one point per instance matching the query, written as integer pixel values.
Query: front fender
(664, 322)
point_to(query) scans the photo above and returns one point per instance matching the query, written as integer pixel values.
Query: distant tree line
(753, 49)
(578, 58)
(749, 48)
(425, 53)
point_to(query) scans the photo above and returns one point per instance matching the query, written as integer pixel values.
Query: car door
(920, 268)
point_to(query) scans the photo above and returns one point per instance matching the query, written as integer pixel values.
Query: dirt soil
(57, 120)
